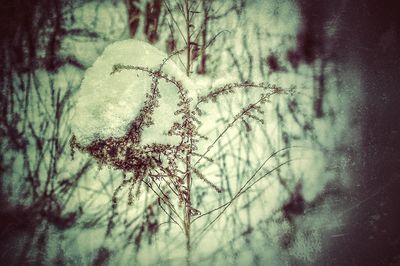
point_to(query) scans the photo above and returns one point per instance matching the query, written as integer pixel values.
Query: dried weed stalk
(168, 170)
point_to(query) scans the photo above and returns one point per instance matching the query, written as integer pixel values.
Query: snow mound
(107, 104)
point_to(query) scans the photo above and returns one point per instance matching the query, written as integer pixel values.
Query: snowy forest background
(55, 208)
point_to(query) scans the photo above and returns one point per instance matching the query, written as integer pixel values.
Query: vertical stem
(188, 207)
(187, 214)
(188, 174)
(202, 69)
(187, 18)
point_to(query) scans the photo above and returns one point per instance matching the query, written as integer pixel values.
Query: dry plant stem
(188, 155)
(187, 20)
(265, 97)
(187, 214)
(188, 140)
(187, 220)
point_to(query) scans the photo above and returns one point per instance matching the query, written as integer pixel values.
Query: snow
(107, 104)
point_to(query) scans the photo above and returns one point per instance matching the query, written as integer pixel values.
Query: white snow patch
(107, 104)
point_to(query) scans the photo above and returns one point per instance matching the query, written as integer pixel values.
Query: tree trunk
(153, 10)
(133, 16)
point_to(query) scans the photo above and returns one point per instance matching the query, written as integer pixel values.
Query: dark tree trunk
(153, 10)
(203, 59)
(133, 16)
